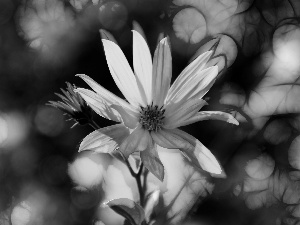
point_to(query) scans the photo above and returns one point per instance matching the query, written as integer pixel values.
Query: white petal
(196, 86)
(193, 149)
(99, 105)
(193, 68)
(176, 113)
(199, 153)
(138, 140)
(109, 97)
(167, 139)
(209, 115)
(129, 118)
(105, 140)
(122, 74)
(162, 72)
(142, 64)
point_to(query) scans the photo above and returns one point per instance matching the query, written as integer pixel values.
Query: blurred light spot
(287, 47)
(294, 153)
(86, 170)
(49, 121)
(118, 183)
(78, 4)
(261, 167)
(30, 211)
(13, 129)
(3, 130)
(113, 15)
(277, 131)
(99, 223)
(45, 24)
(54, 170)
(237, 190)
(21, 214)
(189, 25)
(95, 2)
(289, 54)
(210, 17)
(85, 198)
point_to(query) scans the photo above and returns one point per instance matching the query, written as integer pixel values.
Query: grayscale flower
(153, 110)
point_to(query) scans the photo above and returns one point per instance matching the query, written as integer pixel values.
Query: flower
(74, 106)
(153, 110)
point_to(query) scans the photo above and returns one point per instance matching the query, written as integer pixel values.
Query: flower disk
(151, 117)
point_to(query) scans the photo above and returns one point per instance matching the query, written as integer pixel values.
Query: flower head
(73, 105)
(154, 110)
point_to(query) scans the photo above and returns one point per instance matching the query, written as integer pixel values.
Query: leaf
(129, 209)
(152, 162)
(105, 140)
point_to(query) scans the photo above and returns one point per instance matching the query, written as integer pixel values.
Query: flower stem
(138, 179)
(139, 184)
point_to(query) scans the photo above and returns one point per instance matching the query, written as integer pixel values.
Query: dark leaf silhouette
(129, 209)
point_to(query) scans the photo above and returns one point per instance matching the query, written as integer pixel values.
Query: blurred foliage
(44, 43)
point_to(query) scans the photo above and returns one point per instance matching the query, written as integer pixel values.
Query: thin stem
(10, 211)
(138, 179)
(130, 169)
(146, 172)
(139, 184)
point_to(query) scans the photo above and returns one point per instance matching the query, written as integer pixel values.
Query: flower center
(151, 117)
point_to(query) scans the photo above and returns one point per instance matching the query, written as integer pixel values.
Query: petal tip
(164, 41)
(233, 121)
(80, 75)
(215, 169)
(138, 34)
(222, 174)
(106, 42)
(107, 36)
